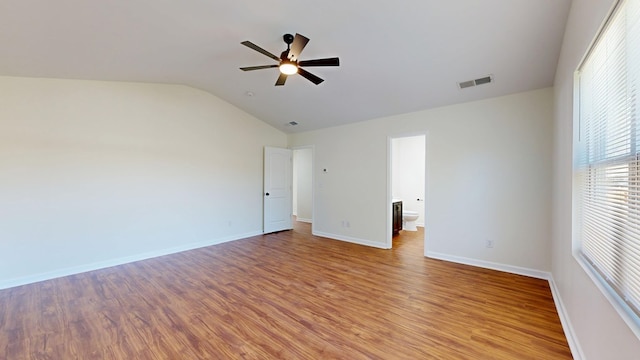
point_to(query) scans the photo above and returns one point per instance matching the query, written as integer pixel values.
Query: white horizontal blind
(608, 168)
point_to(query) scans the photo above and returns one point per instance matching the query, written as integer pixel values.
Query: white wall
(302, 179)
(599, 331)
(96, 173)
(489, 177)
(407, 173)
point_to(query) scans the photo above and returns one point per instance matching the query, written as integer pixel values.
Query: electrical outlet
(489, 244)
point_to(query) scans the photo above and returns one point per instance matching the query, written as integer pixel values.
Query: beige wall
(598, 331)
(97, 173)
(489, 176)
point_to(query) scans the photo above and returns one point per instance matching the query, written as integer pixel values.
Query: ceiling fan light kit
(288, 63)
(288, 67)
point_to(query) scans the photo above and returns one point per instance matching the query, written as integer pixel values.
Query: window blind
(607, 171)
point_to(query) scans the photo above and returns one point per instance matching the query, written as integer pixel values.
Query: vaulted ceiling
(396, 56)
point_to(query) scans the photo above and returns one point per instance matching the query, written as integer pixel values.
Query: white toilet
(409, 220)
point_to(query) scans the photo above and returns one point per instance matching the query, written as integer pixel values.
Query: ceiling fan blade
(249, 68)
(320, 62)
(281, 79)
(309, 76)
(257, 48)
(299, 42)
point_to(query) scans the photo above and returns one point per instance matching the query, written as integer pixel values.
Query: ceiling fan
(288, 62)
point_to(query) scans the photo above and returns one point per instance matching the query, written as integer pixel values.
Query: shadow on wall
(302, 184)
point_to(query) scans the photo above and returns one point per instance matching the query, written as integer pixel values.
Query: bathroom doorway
(302, 184)
(407, 183)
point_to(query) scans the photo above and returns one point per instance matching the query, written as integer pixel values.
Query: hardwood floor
(287, 295)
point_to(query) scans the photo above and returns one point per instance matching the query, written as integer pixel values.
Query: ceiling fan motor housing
(288, 38)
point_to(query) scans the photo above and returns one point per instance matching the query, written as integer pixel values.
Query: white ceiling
(395, 56)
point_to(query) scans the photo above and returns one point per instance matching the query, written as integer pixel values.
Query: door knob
(267, 194)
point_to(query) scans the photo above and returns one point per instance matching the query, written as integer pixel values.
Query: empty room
(284, 179)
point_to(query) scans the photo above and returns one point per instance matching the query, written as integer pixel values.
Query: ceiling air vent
(466, 84)
(476, 82)
(484, 80)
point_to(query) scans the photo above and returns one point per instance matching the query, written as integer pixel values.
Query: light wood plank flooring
(287, 295)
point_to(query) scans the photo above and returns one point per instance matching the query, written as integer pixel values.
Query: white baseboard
(304, 220)
(569, 333)
(491, 265)
(350, 239)
(5, 284)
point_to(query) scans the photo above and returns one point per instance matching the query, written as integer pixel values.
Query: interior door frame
(389, 242)
(313, 180)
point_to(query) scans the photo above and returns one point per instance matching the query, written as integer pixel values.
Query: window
(607, 161)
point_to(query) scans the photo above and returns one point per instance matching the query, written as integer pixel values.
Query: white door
(277, 189)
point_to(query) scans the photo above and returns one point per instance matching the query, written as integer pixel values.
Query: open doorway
(302, 185)
(407, 180)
